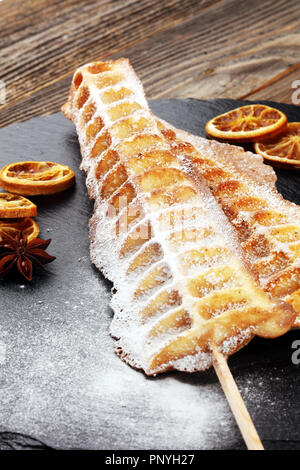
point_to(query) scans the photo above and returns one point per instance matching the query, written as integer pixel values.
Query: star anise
(18, 251)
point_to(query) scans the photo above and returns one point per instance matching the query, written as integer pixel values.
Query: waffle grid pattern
(268, 225)
(181, 285)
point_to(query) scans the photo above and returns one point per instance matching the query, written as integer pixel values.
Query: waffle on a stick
(268, 225)
(182, 286)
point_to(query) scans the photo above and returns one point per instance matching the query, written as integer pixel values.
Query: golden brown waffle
(182, 287)
(268, 225)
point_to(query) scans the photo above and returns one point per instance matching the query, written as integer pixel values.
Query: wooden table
(179, 48)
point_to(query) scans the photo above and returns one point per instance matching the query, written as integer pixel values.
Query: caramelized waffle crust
(268, 225)
(181, 285)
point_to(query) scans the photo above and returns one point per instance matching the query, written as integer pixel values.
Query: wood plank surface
(180, 48)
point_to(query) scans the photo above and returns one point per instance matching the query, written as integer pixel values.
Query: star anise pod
(18, 251)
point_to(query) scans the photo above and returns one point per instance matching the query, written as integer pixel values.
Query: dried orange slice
(29, 227)
(283, 149)
(34, 178)
(13, 206)
(247, 124)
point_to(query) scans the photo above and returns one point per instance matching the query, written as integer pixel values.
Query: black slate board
(61, 385)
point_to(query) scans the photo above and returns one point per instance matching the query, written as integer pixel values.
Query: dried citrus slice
(13, 206)
(33, 178)
(29, 227)
(284, 148)
(247, 124)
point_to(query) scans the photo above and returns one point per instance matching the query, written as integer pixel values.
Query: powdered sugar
(141, 297)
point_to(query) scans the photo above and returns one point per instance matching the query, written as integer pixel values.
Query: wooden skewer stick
(236, 402)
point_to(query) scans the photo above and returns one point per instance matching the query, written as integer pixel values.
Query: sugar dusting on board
(63, 384)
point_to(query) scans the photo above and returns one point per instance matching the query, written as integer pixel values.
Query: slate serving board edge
(262, 355)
